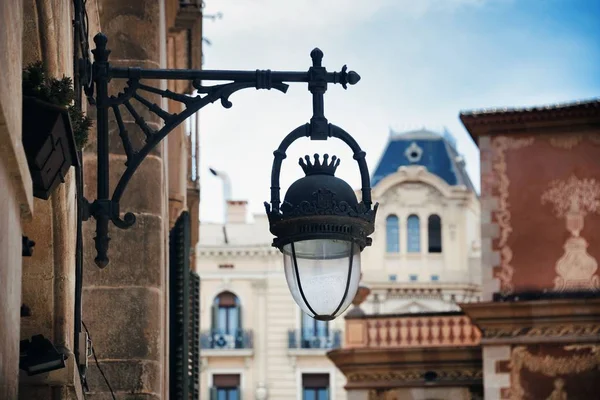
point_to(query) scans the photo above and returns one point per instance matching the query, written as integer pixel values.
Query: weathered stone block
(38, 295)
(144, 193)
(145, 376)
(28, 392)
(136, 254)
(39, 229)
(124, 323)
(117, 19)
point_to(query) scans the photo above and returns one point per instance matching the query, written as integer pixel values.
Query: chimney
(236, 211)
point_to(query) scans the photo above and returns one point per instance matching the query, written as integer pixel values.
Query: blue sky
(421, 63)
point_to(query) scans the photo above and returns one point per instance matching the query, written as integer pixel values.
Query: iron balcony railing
(226, 340)
(225, 393)
(297, 339)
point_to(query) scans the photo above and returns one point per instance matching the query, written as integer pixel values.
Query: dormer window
(413, 152)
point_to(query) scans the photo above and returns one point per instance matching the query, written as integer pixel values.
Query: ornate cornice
(578, 116)
(536, 321)
(591, 329)
(237, 251)
(399, 367)
(415, 377)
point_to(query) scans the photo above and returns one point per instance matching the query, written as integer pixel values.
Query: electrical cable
(98, 363)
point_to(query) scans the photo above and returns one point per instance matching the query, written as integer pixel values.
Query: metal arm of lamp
(105, 207)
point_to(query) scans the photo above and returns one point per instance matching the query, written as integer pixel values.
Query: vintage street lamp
(321, 228)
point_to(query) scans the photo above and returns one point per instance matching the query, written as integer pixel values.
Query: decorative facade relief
(566, 142)
(413, 195)
(557, 375)
(573, 199)
(500, 145)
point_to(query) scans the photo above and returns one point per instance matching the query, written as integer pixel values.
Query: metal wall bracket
(106, 207)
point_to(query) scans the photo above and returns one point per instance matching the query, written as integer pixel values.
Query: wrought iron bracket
(106, 208)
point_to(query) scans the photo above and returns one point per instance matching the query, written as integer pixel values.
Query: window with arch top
(413, 234)
(434, 233)
(392, 234)
(227, 318)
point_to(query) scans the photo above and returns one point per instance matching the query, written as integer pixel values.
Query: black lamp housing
(321, 216)
(321, 206)
(321, 228)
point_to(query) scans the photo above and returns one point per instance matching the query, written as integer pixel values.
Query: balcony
(411, 350)
(300, 343)
(417, 330)
(221, 343)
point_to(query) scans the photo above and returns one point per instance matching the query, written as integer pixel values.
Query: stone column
(124, 304)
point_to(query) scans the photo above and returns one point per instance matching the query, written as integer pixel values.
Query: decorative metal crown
(319, 168)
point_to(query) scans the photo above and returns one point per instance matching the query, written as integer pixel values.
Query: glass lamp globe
(323, 275)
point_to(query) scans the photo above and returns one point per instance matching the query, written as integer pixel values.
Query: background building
(425, 255)
(125, 306)
(424, 258)
(534, 335)
(256, 343)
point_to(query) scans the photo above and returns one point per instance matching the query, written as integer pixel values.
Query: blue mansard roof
(431, 150)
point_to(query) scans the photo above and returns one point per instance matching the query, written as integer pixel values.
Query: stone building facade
(426, 249)
(125, 306)
(255, 341)
(540, 188)
(535, 334)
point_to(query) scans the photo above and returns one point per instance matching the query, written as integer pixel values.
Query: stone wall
(48, 281)
(124, 304)
(15, 194)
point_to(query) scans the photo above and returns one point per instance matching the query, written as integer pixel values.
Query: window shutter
(179, 307)
(226, 380)
(215, 319)
(194, 337)
(315, 381)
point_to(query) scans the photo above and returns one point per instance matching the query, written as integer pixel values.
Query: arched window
(227, 318)
(413, 234)
(392, 234)
(434, 232)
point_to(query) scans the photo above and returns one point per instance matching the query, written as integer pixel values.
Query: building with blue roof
(425, 255)
(436, 152)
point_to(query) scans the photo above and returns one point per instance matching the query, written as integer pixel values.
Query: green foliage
(37, 83)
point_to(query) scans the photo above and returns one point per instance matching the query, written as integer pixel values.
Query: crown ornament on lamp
(319, 168)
